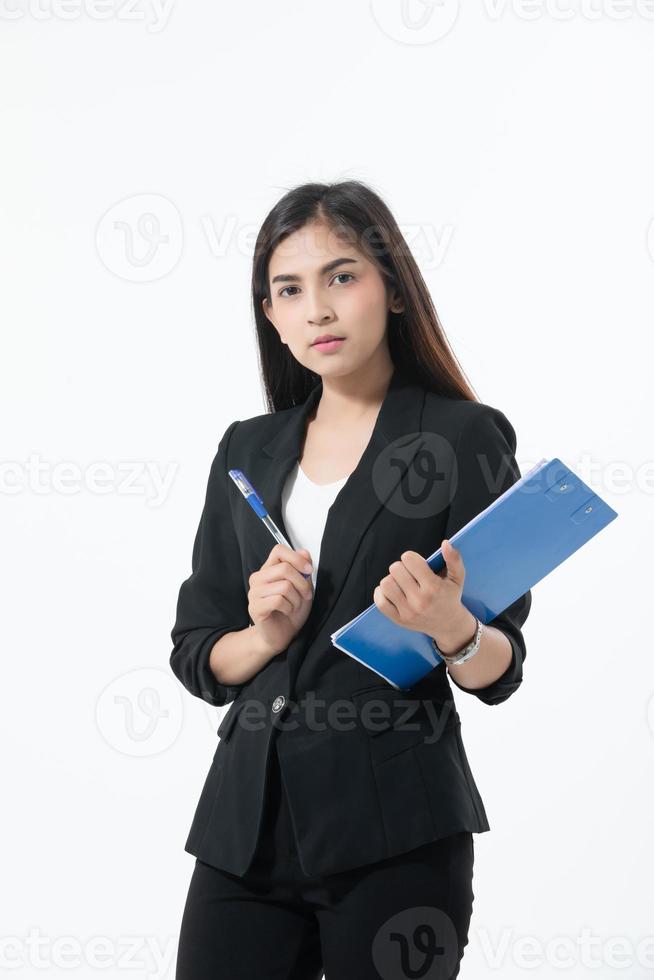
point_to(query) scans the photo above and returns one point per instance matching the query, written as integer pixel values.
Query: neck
(351, 398)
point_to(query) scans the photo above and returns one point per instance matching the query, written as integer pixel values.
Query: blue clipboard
(525, 533)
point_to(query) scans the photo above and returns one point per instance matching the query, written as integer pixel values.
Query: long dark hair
(416, 339)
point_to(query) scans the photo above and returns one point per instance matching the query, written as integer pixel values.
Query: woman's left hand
(414, 596)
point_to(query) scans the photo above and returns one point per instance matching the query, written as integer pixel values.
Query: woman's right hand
(279, 596)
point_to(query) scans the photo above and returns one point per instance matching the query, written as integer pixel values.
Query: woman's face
(321, 284)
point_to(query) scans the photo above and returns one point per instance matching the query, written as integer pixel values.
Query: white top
(304, 509)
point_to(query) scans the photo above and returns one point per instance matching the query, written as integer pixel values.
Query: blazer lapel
(364, 493)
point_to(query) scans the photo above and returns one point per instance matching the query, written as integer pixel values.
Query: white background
(514, 144)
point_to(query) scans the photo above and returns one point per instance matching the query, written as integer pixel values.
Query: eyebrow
(334, 264)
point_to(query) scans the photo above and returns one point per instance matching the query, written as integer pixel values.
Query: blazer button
(278, 703)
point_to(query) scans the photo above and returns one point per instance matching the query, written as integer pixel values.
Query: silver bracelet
(468, 651)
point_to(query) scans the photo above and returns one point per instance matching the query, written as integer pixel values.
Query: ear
(396, 303)
(267, 309)
(266, 306)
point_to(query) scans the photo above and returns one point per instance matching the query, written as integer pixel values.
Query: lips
(325, 337)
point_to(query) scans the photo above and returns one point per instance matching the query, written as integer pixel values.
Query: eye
(283, 292)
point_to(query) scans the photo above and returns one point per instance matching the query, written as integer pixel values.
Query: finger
(281, 552)
(280, 588)
(419, 568)
(453, 561)
(263, 608)
(392, 593)
(284, 571)
(384, 604)
(402, 579)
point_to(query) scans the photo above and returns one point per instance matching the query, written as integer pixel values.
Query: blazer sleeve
(212, 600)
(486, 467)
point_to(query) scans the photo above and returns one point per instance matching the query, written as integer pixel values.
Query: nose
(319, 312)
(319, 320)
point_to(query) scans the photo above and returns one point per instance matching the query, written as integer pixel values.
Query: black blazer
(362, 784)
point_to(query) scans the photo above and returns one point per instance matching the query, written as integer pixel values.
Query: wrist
(262, 648)
(459, 633)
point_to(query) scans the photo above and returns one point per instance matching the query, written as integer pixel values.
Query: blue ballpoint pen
(259, 508)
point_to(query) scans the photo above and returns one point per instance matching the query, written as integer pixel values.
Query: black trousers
(405, 916)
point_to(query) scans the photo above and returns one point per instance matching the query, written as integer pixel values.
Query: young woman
(330, 837)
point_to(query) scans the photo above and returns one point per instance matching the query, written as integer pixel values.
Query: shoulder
(256, 431)
(463, 421)
(261, 428)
